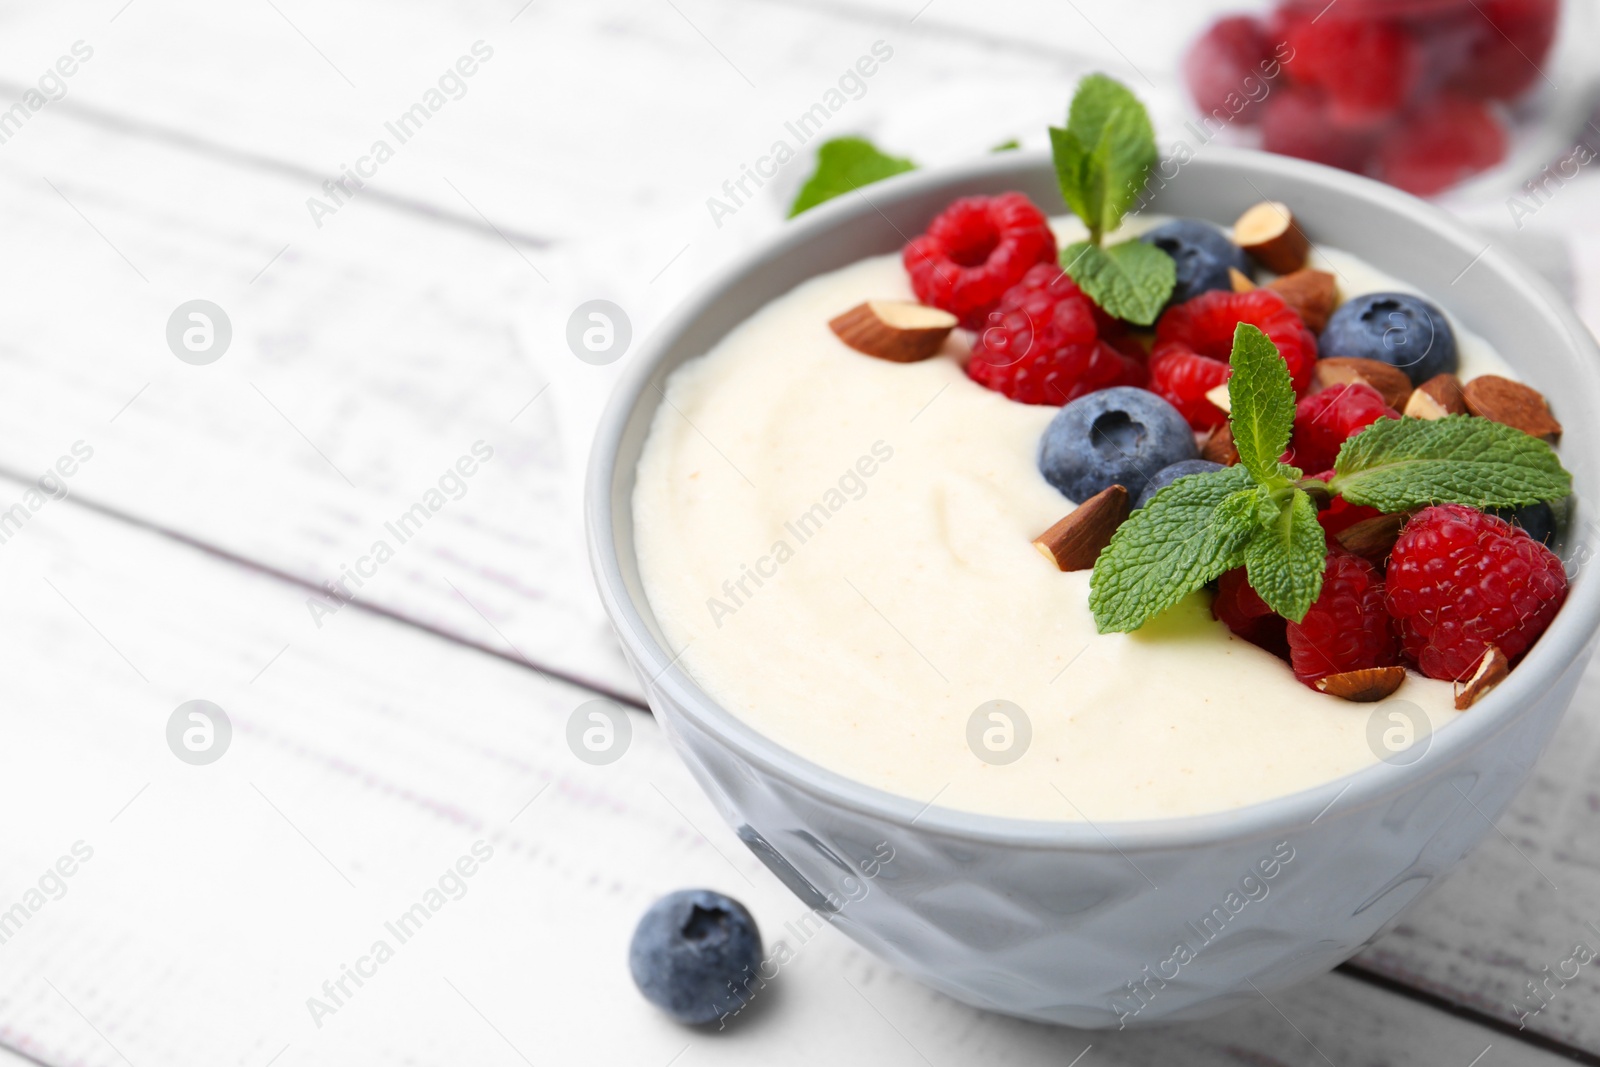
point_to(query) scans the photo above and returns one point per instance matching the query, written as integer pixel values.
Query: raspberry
(1445, 140)
(1505, 57)
(1460, 580)
(1368, 67)
(1224, 63)
(1207, 322)
(1325, 420)
(1182, 377)
(1247, 615)
(1042, 345)
(976, 250)
(1348, 627)
(1296, 121)
(1340, 515)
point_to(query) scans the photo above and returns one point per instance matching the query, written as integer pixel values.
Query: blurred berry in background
(1416, 93)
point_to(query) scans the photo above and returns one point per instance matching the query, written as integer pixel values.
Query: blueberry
(695, 955)
(1203, 254)
(1395, 328)
(1118, 436)
(1538, 519)
(1167, 475)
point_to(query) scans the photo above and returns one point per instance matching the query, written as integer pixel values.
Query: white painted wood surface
(368, 355)
(218, 899)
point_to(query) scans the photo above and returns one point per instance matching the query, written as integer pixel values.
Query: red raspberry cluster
(1404, 90)
(1456, 582)
(1460, 580)
(1195, 339)
(991, 262)
(1043, 344)
(975, 250)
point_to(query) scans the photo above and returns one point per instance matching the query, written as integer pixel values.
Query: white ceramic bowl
(1080, 924)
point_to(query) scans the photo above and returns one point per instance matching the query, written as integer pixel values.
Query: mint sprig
(1103, 158)
(844, 164)
(1259, 514)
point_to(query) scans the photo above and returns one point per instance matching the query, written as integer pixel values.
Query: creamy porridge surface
(840, 547)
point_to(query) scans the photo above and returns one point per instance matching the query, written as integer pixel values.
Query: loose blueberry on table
(693, 955)
(1360, 511)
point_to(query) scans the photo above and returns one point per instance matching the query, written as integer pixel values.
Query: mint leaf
(1261, 402)
(1285, 559)
(843, 165)
(1071, 158)
(1007, 146)
(1104, 155)
(1401, 464)
(1131, 280)
(1189, 533)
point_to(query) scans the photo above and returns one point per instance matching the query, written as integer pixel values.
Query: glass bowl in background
(1427, 95)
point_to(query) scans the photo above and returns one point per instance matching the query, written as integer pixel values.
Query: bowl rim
(1557, 651)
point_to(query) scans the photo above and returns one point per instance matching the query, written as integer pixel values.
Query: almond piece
(1445, 391)
(1512, 403)
(1219, 396)
(1364, 686)
(1241, 281)
(1312, 293)
(1269, 232)
(1219, 446)
(1342, 370)
(1373, 539)
(1074, 543)
(1422, 406)
(896, 330)
(1490, 672)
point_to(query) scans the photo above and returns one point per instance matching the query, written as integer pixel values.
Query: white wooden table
(374, 745)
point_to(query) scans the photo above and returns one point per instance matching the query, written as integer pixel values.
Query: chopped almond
(1219, 446)
(1491, 670)
(1364, 686)
(1422, 406)
(1440, 395)
(1372, 539)
(1342, 370)
(896, 330)
(1269, 232)
(1219, 396)
(1074, 543)
(1312, 293)
(1512, 403)
(1241, 281)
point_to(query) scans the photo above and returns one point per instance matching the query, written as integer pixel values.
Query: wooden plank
(371, 353)
(674, 98)
(364, 365)
(1521, 910)
(363, 764)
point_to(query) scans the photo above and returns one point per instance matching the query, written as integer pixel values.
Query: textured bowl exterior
(1132, 923)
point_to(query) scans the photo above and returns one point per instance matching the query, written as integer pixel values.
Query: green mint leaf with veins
(1131, 280)
(843, 165)
(1104, 155)
(1284, 560)
(1188, 534)
(1261, 402)
(1400, 464)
